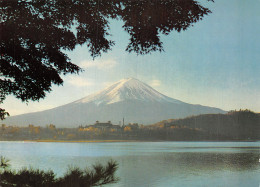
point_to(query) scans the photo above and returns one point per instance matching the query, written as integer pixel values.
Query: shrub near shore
(75, 177)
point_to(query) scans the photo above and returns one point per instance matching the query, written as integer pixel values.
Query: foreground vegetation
(240, 125)
(75, 177)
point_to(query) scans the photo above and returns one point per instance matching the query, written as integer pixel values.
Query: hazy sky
(215, 63)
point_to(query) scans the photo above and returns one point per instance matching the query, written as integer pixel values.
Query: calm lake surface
(148, 163)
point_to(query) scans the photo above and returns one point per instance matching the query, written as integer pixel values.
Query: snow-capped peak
(127, 89)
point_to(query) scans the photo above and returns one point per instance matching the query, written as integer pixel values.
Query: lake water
(150, 164)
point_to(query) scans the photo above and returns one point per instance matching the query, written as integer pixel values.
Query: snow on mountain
(129, 98)
(127, 89)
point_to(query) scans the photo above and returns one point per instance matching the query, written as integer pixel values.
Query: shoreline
(80, 141)
(116, 141)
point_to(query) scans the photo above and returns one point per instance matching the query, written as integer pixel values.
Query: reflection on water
(149, 163)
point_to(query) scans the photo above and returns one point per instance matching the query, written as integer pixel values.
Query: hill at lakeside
(235, 125)
(129, 98)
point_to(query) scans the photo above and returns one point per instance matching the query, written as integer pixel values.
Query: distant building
(103, 125)
(107, 125)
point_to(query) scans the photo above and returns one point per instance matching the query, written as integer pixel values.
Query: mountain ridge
(128, 98)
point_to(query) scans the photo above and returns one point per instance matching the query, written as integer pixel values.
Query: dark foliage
(144, 20)
(75, 177)
(27, 177)
(3, 114)
(100, 175)
(4, 163)
(35, 33)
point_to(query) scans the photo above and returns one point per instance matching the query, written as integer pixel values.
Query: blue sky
(215, 63)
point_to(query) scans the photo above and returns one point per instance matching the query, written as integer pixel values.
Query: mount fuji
(129, 98)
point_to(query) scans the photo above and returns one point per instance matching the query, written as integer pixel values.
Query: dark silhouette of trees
(35, 34)
(3, 114)
(75, 177)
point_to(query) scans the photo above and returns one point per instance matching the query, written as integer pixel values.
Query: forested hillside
(243, 124)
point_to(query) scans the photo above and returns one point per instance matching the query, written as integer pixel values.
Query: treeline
(128, 132)
(235, 125)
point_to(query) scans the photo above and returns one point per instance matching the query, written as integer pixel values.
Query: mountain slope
(129, 98)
